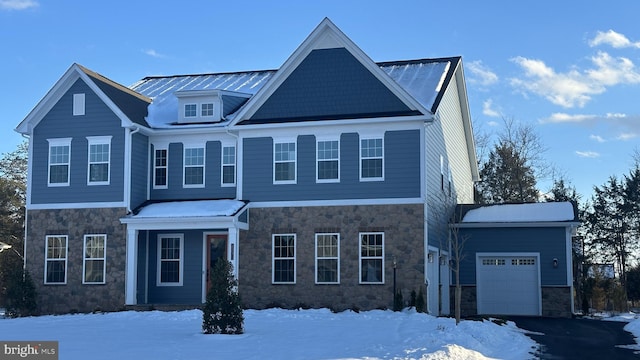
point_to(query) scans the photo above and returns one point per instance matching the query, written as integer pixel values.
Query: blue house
(318, 181)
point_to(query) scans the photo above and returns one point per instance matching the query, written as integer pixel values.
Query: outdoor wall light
(555, 262)
(430, 257)
(443, 260)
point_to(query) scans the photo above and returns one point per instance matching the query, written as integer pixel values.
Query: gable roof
(130, 107)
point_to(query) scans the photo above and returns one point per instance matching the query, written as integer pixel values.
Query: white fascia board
(515, 224)
(325, 36)
(466, 120)
(344, 202)
(168, 223)
(59, 206)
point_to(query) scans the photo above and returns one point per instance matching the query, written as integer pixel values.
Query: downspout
(24, 242)
(426, 215)
(132, 130)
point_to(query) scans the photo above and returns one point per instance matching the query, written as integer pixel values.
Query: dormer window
(207, 109)
(190, 110)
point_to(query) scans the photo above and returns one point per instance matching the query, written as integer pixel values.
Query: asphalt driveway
(578, 338)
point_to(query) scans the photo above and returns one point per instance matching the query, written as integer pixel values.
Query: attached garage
(508, 284)
(517, 258)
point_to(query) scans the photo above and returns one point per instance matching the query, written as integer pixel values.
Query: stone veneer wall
(556, 301)
(403, 227)
(75, 296)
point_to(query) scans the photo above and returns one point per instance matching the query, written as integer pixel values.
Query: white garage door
(508, 284)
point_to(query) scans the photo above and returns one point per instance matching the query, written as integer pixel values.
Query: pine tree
(222, 313)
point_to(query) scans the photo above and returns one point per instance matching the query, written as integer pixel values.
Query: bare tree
(456, 249)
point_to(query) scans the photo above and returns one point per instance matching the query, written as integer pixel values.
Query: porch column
(233, 250)
(132, 262)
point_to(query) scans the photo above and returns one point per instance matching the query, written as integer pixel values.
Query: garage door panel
(508, 285)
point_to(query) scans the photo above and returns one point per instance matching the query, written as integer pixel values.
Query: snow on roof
(534, 212)
(199, 208)
(422, 79)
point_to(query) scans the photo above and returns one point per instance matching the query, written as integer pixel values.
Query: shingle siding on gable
(176, 191)
(329, 83)
(98, 120)
(402, 170)
(549, 242)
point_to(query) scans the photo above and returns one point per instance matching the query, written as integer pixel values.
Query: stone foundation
(75, 223)
(403, 227)
(556, 301)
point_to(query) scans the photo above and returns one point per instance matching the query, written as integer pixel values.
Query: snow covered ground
(273, 334)
(633, 325)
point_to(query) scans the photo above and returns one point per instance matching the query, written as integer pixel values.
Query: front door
(217, 248)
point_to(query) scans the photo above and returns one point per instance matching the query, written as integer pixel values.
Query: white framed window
(442, 172)
(193, 167)
(55, 264)
(328, 161)
(228, 165)
(190, 110)
(160, 166)
(78, 104)
(99, 160)
(371, 258)
(284, 163)
(371, 159)
(95, 259)
(328, 258)
(170, 260)
(59, 162)
(450, 183)
(206, 109)
(284, 259)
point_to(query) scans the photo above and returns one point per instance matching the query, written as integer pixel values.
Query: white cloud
(488, 110)
(616, 116)
(627, 136)
(574, 88)
(18, 4)
(614, 39)
(588, 154)
(493, 123)
(597, 138)
(481, 74)
(567, 118)
(153, 53)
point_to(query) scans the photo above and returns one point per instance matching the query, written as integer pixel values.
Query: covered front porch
(171, 247)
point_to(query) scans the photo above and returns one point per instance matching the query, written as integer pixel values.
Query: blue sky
(569, 69)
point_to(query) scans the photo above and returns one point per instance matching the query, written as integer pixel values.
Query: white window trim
(441, 172)
(222, 165)
(98, 140)
(273, 259)
(184, 165)
(213, 109)
(337, 180)
(78, 104)
(46, 258)
(103, 258)
(54, 143)
(295, 161)
(360, 257)
(337, 258)
(165, 148)
(360, 158)
(159, 258)
(184, 109)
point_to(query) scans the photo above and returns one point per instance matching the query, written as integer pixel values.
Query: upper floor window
(194, 167)
(59, 161)
(160, 169)
(371, 159)
(284, 259)
(328, 161)
(99, 160)
(372, 258)
(207, 109)
(441, 172)
(170, 260)
(190, 110)
(94, 265)
(228, 165)
(78, 104)
(284, 162)
(55, 264)
(328, 258)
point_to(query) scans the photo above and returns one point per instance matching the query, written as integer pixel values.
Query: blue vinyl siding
(191, 290)
(59, 122)
(175, 190)
(401, 173)
(329, 83)
(549, 242)
(139, 161)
